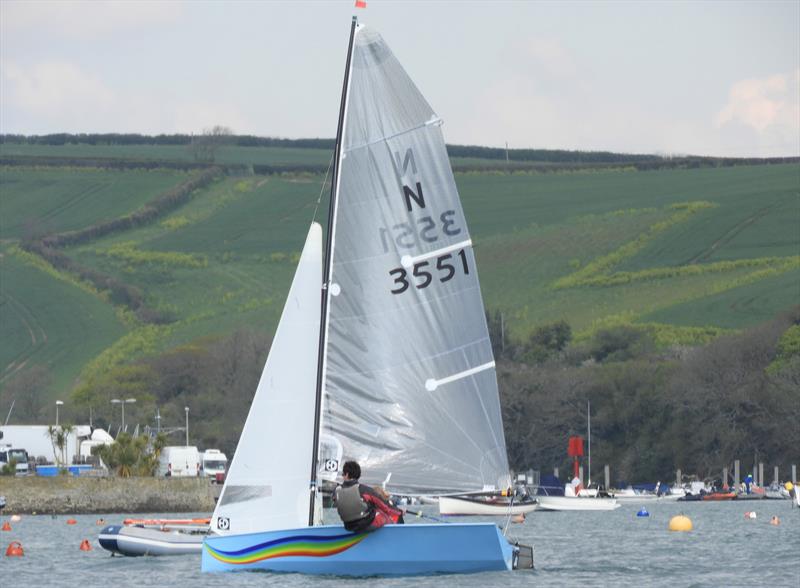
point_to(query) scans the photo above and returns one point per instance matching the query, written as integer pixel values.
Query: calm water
(592, 549)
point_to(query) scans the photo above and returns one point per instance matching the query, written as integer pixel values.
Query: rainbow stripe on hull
(391, 550)
(291, 546)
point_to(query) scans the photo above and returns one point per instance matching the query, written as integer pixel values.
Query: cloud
(763, 103)
(86, 19)
(551, 56)
(54, 89)
(60, 96)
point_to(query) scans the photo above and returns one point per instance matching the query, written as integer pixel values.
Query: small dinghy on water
(570, 500)
(393, 362)
(559, 503)
(136, 537)
(466, 505)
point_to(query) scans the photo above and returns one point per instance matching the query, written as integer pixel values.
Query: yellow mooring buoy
(680, 523)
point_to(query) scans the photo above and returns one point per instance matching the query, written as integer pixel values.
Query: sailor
(360, 507)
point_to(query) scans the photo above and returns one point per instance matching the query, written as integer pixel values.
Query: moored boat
(466, 505)
(140, 540)
(559, 503)
(629, 495)
(720, 496)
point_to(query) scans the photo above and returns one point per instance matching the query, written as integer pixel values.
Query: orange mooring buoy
(85, 545)
(71, 521)
(15, 549)
(5, 527)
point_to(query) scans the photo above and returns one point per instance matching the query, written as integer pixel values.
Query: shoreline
(76, 495)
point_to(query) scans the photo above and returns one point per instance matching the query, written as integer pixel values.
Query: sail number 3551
(422, 273)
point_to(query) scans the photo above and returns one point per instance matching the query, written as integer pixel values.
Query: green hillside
(50, 321)
(47, 200)
(716, 248)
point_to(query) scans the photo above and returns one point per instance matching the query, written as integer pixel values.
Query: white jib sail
(267, 486)
(410, 385)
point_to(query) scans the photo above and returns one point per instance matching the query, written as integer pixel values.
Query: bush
(619, 344)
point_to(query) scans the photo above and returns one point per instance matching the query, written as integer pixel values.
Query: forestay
(410, 385)
(267, 485)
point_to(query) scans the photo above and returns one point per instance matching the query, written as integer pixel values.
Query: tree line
(653, 410)
(204, 145)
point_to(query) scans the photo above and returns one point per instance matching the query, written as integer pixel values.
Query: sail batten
(407, 308)
(433, 121)
(432, 384)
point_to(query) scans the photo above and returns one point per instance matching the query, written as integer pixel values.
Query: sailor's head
(351, 470)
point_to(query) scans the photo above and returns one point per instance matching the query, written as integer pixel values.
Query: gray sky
(715, 78)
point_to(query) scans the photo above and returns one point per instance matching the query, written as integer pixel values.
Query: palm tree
(62, 439)
(51, 433)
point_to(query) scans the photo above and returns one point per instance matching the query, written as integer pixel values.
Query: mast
(323, 327)
(589, 435)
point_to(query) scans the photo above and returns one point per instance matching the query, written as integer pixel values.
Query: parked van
(213, 462)
(20, 456)
(179, 461)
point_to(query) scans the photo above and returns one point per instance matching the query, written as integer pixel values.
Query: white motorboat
(463, 505)
(629, 495)
(576, 503)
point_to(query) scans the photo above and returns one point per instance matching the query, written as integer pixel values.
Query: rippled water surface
(590, 549)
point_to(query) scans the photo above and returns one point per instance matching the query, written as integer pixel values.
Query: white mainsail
(267, 484)
(410, 388)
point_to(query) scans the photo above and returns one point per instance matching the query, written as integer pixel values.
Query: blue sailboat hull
(391, 550)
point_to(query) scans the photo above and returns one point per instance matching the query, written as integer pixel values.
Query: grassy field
(46, 200)
(714, 247)
(50, 321)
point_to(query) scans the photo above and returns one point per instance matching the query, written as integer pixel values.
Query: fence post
(607, 473)
(736, 478)
(678, 478)
(761, 474)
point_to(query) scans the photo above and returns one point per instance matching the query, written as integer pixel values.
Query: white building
(36, 440)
